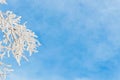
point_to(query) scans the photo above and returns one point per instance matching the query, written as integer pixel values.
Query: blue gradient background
(80, 39)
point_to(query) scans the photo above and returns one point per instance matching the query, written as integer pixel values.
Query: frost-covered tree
(16, 40)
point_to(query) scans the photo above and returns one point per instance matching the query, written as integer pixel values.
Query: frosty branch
(16, 39)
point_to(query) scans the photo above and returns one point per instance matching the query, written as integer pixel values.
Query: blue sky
(80, 39)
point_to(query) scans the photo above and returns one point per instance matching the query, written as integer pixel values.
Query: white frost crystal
(16, 37)
(16, 40)
(4, 70)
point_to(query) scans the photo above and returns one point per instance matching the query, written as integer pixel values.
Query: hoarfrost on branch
(16, 40)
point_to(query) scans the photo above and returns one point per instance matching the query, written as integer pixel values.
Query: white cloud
(83, 78)
(45, 77)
